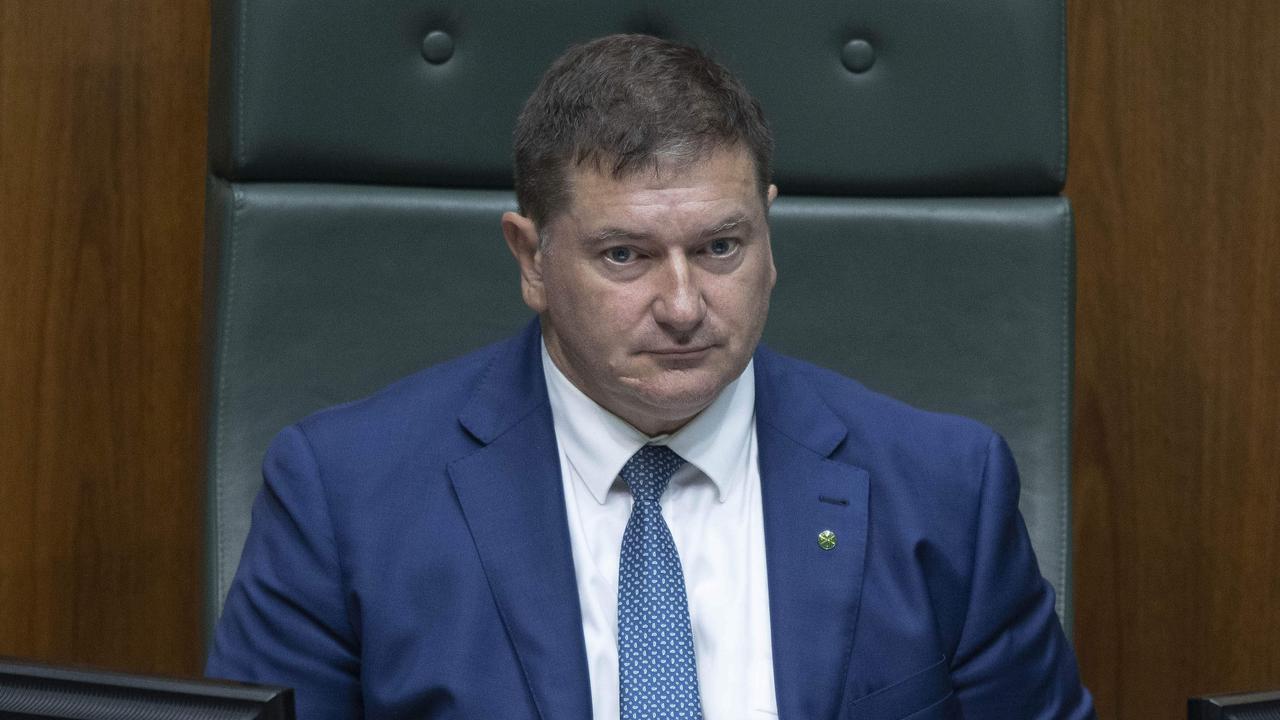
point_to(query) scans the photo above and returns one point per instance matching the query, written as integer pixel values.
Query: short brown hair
(628, 102)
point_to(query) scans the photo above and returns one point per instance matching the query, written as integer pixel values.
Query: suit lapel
(814, 593)
(511, 495)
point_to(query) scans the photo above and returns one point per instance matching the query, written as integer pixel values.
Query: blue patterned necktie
(657, 670)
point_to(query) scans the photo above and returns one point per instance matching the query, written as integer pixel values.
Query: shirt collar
(598, 443)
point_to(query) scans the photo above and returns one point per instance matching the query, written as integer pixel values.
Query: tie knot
(649, 470)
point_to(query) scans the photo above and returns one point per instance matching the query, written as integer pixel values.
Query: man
(631, 510)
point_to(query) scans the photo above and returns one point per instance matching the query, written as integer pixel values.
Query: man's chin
(674, 404)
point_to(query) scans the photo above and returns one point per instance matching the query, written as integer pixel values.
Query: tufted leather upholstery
(355, 188)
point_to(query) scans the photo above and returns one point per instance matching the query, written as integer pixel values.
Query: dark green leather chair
(359, 161)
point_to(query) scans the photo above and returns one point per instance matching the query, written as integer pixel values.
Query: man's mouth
(681, 353)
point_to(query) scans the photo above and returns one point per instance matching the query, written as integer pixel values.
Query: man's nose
(679, 304)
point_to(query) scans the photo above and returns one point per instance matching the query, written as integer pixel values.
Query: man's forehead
(735, 222)
(724, 182)
(664, 167)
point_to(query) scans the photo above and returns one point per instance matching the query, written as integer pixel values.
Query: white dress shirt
(713, 508)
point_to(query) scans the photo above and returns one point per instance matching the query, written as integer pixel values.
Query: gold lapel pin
(826, 539)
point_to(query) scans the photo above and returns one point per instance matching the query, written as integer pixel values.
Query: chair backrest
(360, 158)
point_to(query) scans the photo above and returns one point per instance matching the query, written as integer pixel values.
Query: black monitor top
(1238, 706)
(34, 690)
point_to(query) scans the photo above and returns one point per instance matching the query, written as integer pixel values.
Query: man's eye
(620, 255)
(721, 247)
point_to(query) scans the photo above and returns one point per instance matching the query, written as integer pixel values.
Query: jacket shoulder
(876, 419)
(425, 404)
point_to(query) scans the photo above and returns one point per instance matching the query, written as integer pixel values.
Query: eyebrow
(610, 234)
(732, 223)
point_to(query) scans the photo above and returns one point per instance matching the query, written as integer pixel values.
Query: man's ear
(773, 195)
(522, 238)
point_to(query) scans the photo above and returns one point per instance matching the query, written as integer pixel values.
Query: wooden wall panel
(1175, 175)
(102, 107)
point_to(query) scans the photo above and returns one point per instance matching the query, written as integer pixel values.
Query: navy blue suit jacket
(409, 557)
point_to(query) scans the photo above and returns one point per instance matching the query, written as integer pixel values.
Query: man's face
(653, 289)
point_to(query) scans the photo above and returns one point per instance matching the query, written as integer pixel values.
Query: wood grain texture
(1175, 175)
(102, 107)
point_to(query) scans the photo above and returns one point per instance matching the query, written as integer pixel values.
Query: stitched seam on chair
(1064, 500)
(239, 153)
(1062, 92)
(223, 350)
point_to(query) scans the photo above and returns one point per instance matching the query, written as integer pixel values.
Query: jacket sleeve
(1013, 659)
(285, 621)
